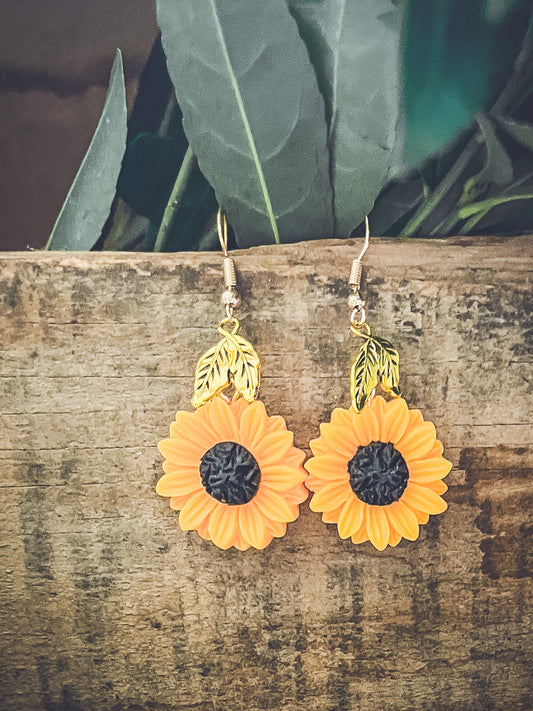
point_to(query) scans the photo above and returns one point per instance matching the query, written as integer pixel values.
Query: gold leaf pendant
(233, 361)
(376, 364)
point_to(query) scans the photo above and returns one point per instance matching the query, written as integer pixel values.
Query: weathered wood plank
(106, 604)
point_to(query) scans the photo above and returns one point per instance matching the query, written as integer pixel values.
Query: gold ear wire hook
(222, 228)
(367, 239)
(230, 297)
(355, 302)
(357, 268)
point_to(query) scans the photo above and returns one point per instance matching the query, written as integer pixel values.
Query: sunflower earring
(231, 470)
(377, 468)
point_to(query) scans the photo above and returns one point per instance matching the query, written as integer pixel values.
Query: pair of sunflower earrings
(236, 478)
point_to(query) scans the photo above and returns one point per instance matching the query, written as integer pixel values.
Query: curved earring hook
(367, 239)
(222, 228)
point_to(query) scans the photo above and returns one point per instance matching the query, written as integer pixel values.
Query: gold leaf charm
(377, 363)
(244, 367)
(389, 368)
(232, 361)
(212, 373)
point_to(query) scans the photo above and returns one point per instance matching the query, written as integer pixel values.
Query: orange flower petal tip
(233, 473)
(387, 483)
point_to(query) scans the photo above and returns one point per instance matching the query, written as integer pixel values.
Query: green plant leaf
(87, 205)
(485, 205)
(508, 217)
(253, 114)
(396, 203)
(148, 172)
(497, 168)
(520, 131)
(198, 205)
(355, 48)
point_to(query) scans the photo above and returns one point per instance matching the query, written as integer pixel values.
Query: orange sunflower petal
(195, 510)
(275, 423)
(198, 440)
(329, 467)
(318, 447)
(203, 530)
(170, 467)
(422, 498)
(297, 495)
(252, 424)
(339, 440)
(277, 528)
(178, 502)
(439, 487)
(222, 419)
(426, 470)
(421, 516)
(351, 517)
(179, 483)
(240, 544)
(395, 420)
(333, 515)
(313, 483)
(273, 506)
(436, 450)
(377, 404)
(361, 536)
(366, 426)
(273, 448)
(238, 406)
(253, 527)
(341, 417)
(174, 451)
(377, 526)
(187, 425)
(295, 458)
(223, 524)
(329, 497)
(415, 418)
(281, 477)
(394, 537)
(417, 441)
(403, 520)
(185, 450)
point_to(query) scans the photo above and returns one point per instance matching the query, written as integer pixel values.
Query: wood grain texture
(107, 605)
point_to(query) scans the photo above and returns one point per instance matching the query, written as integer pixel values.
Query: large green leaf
(89, 199)
(253, 114)
(356, 51)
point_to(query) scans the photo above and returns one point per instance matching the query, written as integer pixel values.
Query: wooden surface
(106, 605)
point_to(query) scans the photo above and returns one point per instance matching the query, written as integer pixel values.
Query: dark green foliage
(148, 173)
(306, 114)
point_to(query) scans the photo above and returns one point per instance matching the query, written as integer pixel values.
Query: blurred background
(55, 59)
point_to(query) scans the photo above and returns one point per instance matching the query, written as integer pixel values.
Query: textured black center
(378, 473)
(230, 473)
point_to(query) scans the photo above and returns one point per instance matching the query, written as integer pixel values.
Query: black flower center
(230, 473)
(378, 473)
